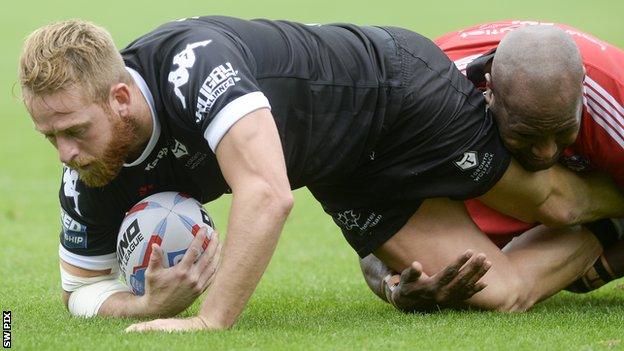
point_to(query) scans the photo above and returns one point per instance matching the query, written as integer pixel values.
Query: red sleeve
(601, 138)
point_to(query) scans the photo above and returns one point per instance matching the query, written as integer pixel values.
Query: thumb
(155, 260)
(411, 273)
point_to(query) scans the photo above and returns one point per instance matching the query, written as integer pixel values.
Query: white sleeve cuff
(94, 263)
(231, 113)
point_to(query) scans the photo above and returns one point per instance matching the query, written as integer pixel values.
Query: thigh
(436, 235)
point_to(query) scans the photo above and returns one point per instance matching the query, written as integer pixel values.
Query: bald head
(538, 72)
(537, 88)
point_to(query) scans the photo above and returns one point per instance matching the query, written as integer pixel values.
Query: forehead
(64, 106)
(543, 122)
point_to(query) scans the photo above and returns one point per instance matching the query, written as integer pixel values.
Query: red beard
(102, 170)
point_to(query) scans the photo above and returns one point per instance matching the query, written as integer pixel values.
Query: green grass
(312, 296)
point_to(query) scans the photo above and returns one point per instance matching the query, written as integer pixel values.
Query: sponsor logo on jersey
(350, 220)
(185, 60)
(484, 167)
(468, 160)
(218, 82)
(74, 232)
(161, 153)
(576, 163)
(195, 160)
(500, 28)
(494, 29)
(70, 177)
(131, 238)
(179, 149)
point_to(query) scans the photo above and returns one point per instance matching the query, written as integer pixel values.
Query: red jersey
(600, 143)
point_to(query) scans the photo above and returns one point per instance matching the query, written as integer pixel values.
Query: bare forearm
(256, 220)
(589, 197)
(125, 304)
(555, 197)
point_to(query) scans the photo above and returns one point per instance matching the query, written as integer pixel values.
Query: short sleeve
(210, 83)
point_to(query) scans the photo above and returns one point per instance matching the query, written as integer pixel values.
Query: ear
(120, 99)
(488, 94)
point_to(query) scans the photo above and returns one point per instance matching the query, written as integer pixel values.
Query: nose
(67, 149)
(544, 150)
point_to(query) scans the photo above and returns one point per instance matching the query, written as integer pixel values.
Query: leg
(441, 230)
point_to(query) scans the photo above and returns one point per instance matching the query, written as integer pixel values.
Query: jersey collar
(475, 71)
(140, 82)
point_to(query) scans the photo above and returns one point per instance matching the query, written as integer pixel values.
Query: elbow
(276, 201)
(558, 215)
(279, 203)
(285, 203)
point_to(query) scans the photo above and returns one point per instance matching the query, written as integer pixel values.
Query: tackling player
(372, 120)
(598, 144)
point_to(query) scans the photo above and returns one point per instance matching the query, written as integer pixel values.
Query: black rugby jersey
(332, 90)
(327, 87)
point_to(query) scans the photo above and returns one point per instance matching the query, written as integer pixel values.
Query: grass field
(312, 296)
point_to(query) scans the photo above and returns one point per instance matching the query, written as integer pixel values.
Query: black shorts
(443, 143)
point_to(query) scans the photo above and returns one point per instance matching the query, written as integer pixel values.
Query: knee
(516, 296)
(511, 294)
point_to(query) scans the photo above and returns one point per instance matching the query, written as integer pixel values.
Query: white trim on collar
(140, 82)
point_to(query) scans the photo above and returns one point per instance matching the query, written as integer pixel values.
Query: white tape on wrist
(88, 294)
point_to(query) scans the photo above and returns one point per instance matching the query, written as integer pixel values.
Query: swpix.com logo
(6, 329)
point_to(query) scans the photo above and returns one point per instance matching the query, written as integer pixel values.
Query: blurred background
(312, 257)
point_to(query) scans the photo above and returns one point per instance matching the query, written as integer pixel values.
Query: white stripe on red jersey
(600, 144)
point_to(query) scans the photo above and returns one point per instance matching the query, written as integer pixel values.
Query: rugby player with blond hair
(373, 120)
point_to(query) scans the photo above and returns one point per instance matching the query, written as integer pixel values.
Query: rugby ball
(169, 219)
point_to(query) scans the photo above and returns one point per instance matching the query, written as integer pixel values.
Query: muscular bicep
(520, 193)
(556, 196)
(252, 151)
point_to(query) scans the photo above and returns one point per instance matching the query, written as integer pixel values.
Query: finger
(156, 324)
(411, 273)
(478, 287)
(471, 272)
(210, 237)
(194, 250)
(479, 270)
(466, 294)
(467, 276)
(207, 275)
(155, 259)
(207, 257)
(137, 328)
(450, 272)
(463, 286)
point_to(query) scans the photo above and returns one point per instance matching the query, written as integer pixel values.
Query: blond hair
(70, 53)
